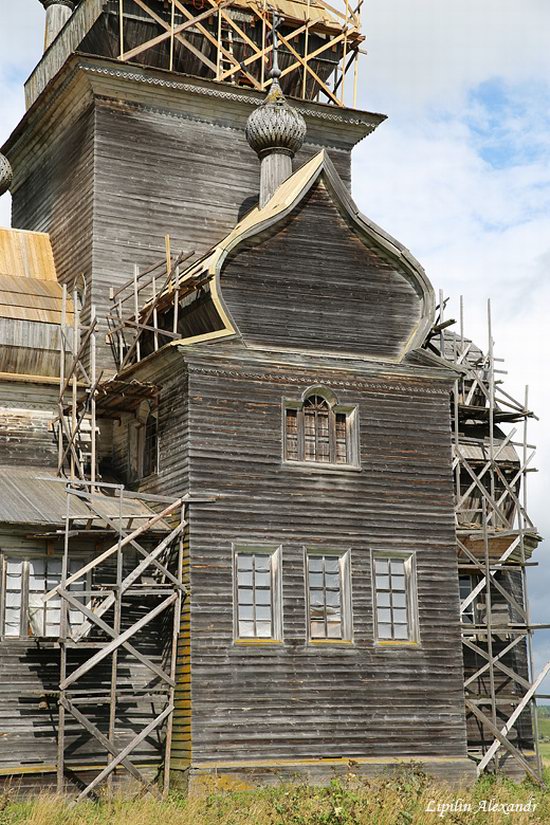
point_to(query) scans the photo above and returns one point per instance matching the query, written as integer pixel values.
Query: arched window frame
(295, 436)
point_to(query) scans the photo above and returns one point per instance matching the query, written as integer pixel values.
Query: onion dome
(70, 4)
(6, 174)
(274, 125)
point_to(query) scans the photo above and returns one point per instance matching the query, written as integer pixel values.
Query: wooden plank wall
(293, 700)
(53, 189)
(333, 293)
(26, 412)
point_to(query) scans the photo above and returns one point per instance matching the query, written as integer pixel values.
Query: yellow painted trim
(395, 643)
(342, 760)
(200, 339)
(257, 642)
(339, 642)
(20, 770)
(26, 378)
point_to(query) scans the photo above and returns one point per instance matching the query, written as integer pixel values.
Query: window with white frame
(329, 596)
(319, 430)
(257, 573)
(395, 598)
(24, 582)
(467, 583)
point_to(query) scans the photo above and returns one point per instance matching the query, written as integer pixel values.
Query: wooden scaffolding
(136, 581)
(495, 541)
(141, 566)
(231, 41)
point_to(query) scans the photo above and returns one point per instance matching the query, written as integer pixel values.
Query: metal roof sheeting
(482, 452)
(30, 497)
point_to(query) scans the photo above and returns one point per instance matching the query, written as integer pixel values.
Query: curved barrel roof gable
(309, 273)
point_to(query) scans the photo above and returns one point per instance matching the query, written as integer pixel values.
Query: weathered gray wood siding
(53, 189)
(158, 173)
(311, 283)
(114, 157)
(293, 700)
(26, 413)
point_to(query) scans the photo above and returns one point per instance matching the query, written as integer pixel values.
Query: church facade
(280, 385)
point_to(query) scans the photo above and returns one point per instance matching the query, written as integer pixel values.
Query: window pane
(325, 597)
(254, 595)
(245, 578)
(333, 598)
(332, 565)
(384, 631)
(292, 435)
(263, 630)
(317, 630)
(246, 611)
(246, 629)
(400, 616)
(399, 599)
(263, 613)
(246, 596)
(392, 595)
(263, 596)
(334, 630)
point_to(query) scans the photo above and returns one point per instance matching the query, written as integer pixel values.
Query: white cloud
(461, 174)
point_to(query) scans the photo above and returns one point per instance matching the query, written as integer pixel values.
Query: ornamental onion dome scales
(274, 125)
(6, 174)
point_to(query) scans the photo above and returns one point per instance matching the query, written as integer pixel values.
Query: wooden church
(228, 514)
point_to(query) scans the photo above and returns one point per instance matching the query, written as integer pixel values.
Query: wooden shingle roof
(29, 290)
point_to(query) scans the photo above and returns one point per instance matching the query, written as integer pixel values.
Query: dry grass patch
(404, 797)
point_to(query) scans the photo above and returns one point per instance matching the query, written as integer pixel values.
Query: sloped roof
(284, 200)
(29, 289)
(34, 496)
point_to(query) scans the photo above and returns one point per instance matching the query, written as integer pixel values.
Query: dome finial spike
(275, 71)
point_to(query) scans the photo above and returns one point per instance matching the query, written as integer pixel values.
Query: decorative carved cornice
(381, 386)
(220, 93)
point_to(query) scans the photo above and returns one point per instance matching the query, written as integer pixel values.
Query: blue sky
(460, 173)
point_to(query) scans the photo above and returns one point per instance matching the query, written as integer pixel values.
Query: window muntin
(395, 598)
(328, 596)
(257, 594)
(319, 431)
(25, 582)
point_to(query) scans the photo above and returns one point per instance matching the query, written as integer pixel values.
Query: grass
(545, 752)
(402, 798)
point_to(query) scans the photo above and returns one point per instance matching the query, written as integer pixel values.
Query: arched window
(319, 430)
